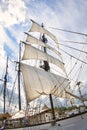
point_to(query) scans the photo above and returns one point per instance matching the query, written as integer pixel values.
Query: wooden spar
(52, 107)
(19, 95)
(80, 98)
(46, 67)
(5, 83)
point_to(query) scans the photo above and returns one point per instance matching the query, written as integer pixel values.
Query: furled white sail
(39, 82)
(37, 28)
(34, 40)
(34, 53)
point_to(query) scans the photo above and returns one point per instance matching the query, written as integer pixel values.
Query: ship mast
(5, 83)
(46, 67)
(19, 95)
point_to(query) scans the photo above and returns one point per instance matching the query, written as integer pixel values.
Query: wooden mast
(5, 83)
(46, 67)
(19, 95)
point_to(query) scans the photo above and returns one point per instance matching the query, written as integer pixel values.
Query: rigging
(73, 48)
(12, 90)
(84, 34)
(85, 43)
(73, 56)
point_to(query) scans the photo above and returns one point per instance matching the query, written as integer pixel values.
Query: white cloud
(11, 13)
(14, 13)
(5, 39)
(2, 61)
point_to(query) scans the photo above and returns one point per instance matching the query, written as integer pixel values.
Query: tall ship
(42, 77)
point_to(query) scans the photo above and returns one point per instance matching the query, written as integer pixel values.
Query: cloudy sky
(15, 18)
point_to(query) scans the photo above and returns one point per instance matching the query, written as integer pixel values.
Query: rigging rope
(80, 67)
(12, 91)
(73, 48)
(85, 43)
(56, 90)
(73, 67)
(83, 34)
(57, 71)
(74, 56)
(1, 89)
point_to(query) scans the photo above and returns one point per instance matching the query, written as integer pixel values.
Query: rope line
(73, 48)
(83, 34)
(74, 57)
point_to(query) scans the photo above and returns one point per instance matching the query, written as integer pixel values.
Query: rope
(85, 43)
(74, 57)
(57, 71)
(68, 75)
(79, 69)
(73, 48)
(83, 34)
(12, 91)
(1, 89)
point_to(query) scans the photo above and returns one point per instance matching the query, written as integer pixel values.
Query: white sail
(34, 53)
(34, 40)
(39, 82)
(37, 28)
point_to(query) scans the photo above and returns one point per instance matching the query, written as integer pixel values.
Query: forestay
(38, 82)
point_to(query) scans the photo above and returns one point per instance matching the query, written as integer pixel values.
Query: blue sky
(15, 18)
